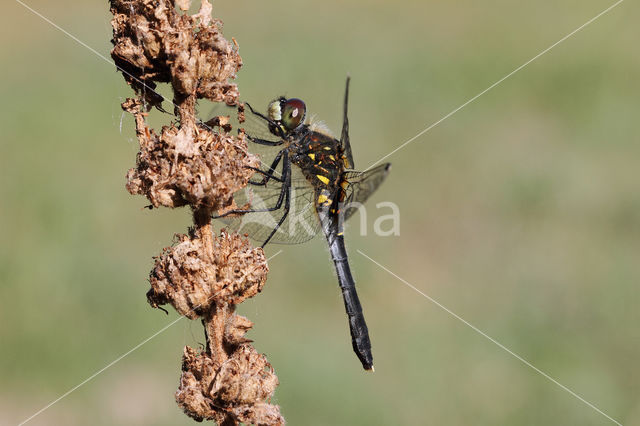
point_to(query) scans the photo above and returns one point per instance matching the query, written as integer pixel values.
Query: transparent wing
(361, 186)
(301, 224)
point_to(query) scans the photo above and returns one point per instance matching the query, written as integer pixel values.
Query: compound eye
(293, 112)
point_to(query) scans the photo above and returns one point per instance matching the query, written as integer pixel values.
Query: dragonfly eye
(293, 113)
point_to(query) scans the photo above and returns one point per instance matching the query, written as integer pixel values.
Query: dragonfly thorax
(319, 157)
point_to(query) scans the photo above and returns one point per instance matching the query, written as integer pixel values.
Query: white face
(275, 113)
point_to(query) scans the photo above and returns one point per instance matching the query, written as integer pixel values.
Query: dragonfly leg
(264, 141)
(269, 174)
(254, 112)
(272, 124)
(287, 200)
(284, 194)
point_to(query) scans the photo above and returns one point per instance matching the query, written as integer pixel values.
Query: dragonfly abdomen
(357, 325)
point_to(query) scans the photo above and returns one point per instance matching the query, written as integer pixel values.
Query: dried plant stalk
(191, 164)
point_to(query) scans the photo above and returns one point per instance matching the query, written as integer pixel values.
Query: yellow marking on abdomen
(312, 156)
(322, 199)
(323, 179)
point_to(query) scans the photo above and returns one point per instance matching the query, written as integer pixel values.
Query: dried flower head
(192, 282)
(188, 166)
(154, 43)
(199, 165)
(210, 392)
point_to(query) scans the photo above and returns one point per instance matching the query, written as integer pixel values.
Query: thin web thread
(496, 83)
(115, 361)
(100, 55)
(373, 164)
(500, 345)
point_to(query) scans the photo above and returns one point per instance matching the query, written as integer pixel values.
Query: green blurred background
(520, 213)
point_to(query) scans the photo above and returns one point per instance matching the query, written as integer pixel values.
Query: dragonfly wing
(300, 225)
(362, 185)
(344, 138)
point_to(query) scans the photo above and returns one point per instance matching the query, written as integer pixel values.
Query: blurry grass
(521, 213)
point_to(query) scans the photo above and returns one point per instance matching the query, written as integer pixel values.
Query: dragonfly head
(287, 114)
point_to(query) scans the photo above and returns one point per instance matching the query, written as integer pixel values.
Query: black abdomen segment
(357, 325)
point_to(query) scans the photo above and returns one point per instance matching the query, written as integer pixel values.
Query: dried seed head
(244, 378)
(239, 389)
(198, 371)
(183, 166)
(153, 42)
(186, 277)
(258, 414)
(200, 165)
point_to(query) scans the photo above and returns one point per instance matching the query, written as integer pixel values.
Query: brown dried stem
(191, 164)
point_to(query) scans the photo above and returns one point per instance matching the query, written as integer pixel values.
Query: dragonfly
(309, 186)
